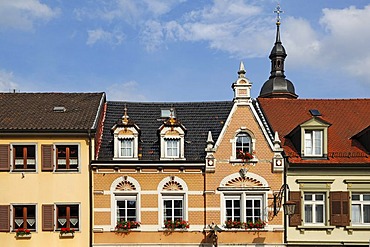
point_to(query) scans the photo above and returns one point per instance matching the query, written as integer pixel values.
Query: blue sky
(182, 50)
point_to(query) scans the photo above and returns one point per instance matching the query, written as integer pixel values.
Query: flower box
(176, 224)
(125, 226)
(258, 224)
(66, 232)
(23, 233)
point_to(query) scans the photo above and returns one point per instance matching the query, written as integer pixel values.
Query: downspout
(285, 199)
(90, 191)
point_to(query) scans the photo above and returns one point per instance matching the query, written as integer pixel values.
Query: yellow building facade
(44, 162)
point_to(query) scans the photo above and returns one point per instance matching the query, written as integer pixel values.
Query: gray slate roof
(33, 112)
(197, 117)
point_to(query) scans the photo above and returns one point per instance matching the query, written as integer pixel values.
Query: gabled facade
(328, 167)
(47, 142)
(198, 165)
(326, 148)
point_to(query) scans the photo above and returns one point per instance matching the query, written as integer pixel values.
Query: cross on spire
(278, 11)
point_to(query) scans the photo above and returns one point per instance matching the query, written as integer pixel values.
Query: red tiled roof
(33, 112)
(347, 117)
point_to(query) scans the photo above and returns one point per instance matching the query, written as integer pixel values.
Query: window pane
(366, 213)
(318, 142)
(319, 214)
(355, 197)
(366, 197)
(308, 142)
(319, 197)
(127, 148)
(308, 197)
(356, 214)
(308, 213)
(243, 143)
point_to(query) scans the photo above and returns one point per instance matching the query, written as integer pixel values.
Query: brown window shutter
(48, 217)
(295, 219)
(339, 208)
(47, 162)
(4, 157)
(4, 218)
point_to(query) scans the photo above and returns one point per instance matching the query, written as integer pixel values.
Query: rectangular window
(68, 216)
(172, 147)
(313, 142)
(24, 157)
(232, 206)
(173, 208)
(24, 217)
(126, 208)
(360, 208)
(127, 147)
(314, 208)
(67, 157)
(244, 208)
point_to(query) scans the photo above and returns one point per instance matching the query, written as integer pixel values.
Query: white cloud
(22, 14)
(126, 91)
(113, 38)
(7, 81)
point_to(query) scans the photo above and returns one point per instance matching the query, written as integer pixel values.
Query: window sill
(358, 227)
(244, 229)
(173, 229)
(240, 161)
(28, 236)
(66, 235)
(328, 229)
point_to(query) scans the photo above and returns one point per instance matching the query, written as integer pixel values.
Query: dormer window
(313, 142)
(126, 138)
(314, 138)
(126, 147)
(172, 135)
(172, 147)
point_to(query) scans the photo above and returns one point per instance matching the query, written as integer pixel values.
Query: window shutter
(48, 217)
(339, 208)
(4, 157)
(4, 218)
(295, 219)
(47, 162)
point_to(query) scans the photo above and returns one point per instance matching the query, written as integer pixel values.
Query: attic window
(59, 109)
(315, 112)
(166, 113)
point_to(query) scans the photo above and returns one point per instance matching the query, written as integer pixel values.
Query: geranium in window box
(124, 226)
(66, 232)
(258, 224)
(245, 157)
(176, 224)
(23, 233)
(234, 224)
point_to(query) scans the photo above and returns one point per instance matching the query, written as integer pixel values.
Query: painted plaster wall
(337, 235)
(48, 188)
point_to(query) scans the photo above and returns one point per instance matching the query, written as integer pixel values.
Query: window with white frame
(24, 216)
(172, 147)
(244, 207)
(67, 216)
(313, 142)
(126, 208)
(243, 143)
(360, 208)
(127, 147)
(173, 207)
(67, 157)
(314, 208)
(24, 157)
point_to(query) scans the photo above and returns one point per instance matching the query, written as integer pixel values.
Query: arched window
(243, 143)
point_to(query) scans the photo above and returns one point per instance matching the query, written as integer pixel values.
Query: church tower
(277, 86)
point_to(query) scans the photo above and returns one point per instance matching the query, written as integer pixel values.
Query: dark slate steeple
(277, 86)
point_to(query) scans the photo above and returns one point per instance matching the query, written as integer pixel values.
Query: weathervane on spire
(278, 11)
